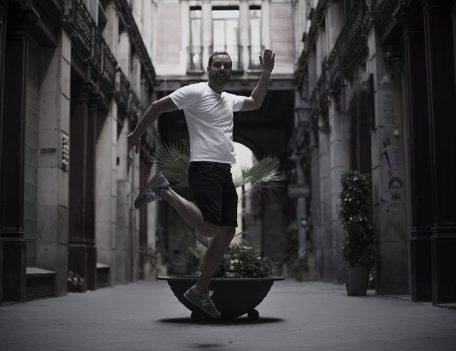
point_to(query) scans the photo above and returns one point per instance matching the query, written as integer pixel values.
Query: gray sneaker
(203, 302)
(151, 191)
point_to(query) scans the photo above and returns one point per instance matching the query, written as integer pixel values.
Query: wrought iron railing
(84, 27)
(350, 46)
(97, 57)
(104, 63)
(134, 106)
(322, 87)
(385, 13)
(317, 17)
(109, 65)
(335, 65)
(123, 88)
(59, 4)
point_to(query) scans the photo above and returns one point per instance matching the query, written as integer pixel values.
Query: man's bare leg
(222, 236)
(189, 212)
(214, 256)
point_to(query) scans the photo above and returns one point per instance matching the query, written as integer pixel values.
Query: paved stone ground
(144, 316)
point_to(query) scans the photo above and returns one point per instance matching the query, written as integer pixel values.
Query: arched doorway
(248, 228)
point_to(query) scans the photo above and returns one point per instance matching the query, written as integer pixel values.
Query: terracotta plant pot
(233, 297)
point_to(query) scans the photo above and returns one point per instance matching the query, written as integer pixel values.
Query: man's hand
(267, 61)
(133, 140)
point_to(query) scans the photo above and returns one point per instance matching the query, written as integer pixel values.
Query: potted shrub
(244, 278)
(359, 242)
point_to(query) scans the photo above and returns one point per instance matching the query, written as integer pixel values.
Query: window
(255, 36)
(225, 29)
(196, 47)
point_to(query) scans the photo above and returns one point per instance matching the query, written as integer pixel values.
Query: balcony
(123, 89)
(350, 47)
(109, 64)
(385, 16)
(104, 64)
(83, 29)
(59, 5)
(134, 107)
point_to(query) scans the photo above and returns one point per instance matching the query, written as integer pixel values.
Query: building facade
(376, 81)
(75, 77)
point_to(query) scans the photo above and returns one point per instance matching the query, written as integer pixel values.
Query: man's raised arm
(258, 94)
(158, 107)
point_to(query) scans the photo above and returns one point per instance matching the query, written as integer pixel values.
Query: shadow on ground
(236, 321)
(208, 346)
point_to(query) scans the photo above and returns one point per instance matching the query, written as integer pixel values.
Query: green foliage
(355, 204)
(242, 261)
(173, 160)
(263, 174)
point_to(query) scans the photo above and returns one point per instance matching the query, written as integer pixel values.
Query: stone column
(244, 31)
(388, 168)
(144, 170)
(301, 209)
(206, 24)
(439, 48)
(339, 162)
(123, 207)
(134, 217)
(3, 20)
(12, 162)
(315, 193)
(416, 84)
(77, 248)
(53, 176)
(105, 190)
(324, 251)
(90, 191)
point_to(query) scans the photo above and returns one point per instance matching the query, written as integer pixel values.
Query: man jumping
(209, 115)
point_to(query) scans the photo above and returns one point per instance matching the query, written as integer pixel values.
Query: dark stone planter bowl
(233, 297)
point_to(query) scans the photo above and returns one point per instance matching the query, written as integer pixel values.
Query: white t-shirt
(209, 117)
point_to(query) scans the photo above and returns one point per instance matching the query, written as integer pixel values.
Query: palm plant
(173, 160)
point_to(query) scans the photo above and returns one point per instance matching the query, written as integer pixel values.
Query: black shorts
(213, 192)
